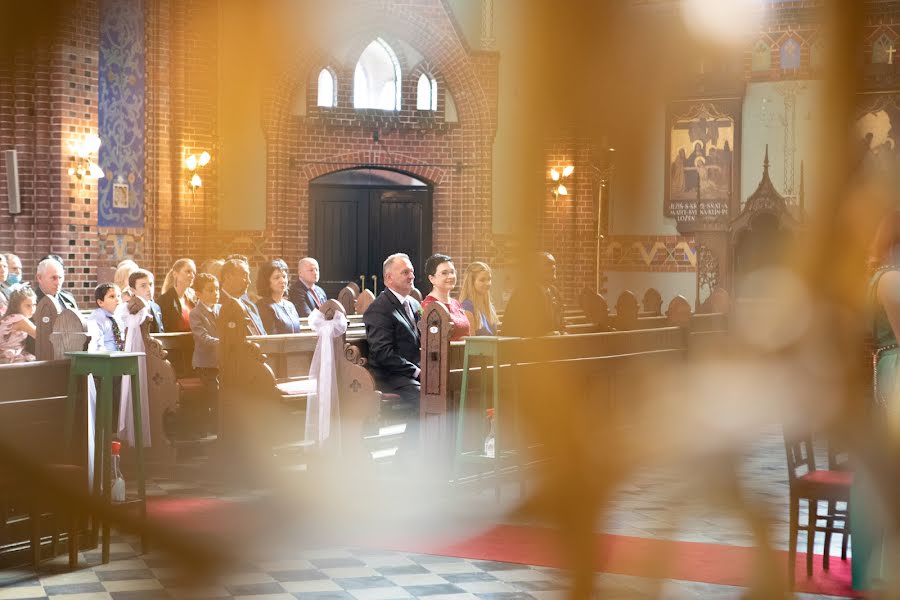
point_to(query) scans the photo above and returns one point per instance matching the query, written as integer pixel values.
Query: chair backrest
(801, 457)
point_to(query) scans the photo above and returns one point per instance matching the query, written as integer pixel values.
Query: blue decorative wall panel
(121, 112)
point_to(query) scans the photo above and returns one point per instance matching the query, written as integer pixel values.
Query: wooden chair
(814, 485)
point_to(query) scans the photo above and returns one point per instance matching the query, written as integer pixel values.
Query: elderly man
(392, 332)
(14, 277)
(237, 317)
(305, 295)
(50, 278)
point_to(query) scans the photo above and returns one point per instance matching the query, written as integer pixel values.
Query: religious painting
(877, 128)
(702, 172)
(120, 195)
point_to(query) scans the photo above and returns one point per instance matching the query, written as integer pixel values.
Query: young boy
(206, 340)
(141, 281)
(107, 330)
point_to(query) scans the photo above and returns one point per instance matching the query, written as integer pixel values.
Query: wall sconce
(559, 178)
(194, 162)
(82, 161)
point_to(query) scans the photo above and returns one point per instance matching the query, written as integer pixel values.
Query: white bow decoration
(322, 407)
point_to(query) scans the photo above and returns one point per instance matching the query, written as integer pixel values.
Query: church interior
(449, 299)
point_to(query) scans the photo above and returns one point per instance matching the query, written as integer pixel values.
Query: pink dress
(12, 342)
(457, 316)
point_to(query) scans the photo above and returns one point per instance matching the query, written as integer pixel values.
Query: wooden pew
(262, 391)
(677, 332)
(32, 414)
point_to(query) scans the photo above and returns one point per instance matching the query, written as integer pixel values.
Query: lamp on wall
(193, 163)
(81, 163)
(558, 178)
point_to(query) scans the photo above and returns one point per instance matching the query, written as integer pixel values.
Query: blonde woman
(475, 297)
(124, 270)
(178, 297)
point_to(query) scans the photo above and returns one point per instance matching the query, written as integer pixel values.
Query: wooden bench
(263, 393)
(442, 360)
(33, 401)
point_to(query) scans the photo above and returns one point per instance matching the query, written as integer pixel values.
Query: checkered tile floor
(641, 509)
(333, 574)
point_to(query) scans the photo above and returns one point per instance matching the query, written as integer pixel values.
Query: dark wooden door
(337, 239)
(354, 228)
(400, 221)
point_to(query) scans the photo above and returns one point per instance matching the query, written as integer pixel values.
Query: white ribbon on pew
(322, 408)
(134, 342)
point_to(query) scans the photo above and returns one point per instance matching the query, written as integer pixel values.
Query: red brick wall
(455, 157)
(569, 223)
(48, 97)
(181, 120)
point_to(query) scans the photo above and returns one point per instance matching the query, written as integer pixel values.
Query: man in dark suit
(392, 333)
(237, 317)
(535, 308)
(305, 295)
(50, 278)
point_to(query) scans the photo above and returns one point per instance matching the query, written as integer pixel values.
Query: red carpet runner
(641, 557)
(688, 561)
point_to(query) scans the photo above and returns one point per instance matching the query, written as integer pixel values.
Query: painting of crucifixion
(700, 167)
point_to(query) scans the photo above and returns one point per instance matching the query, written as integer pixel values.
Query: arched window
(326, 89)
(426, 93)
(789, 54)
(376, 80)
(883, 51)
(762, 57)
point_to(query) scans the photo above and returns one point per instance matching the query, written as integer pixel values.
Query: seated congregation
(233, 375)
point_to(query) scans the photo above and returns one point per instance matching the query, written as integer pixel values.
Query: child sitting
(206, 339)
(16, 325)
(107, 330)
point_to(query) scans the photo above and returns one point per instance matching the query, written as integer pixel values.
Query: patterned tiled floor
(643, 508)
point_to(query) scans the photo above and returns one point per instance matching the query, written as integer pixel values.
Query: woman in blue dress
(278, 314)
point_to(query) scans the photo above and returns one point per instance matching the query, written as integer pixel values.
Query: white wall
(668, 284)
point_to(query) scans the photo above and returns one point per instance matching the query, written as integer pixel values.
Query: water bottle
(489, 441)
(117, 491)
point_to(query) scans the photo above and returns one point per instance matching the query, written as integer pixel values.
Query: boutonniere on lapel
(419, 312)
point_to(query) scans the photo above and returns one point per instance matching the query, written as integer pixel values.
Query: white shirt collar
(400, 297)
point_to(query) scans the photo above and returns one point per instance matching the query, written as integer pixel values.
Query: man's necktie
(409, 315)
(117, 333)
(316, 298)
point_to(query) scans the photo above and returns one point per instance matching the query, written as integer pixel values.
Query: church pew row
(264, 389)
(442, 360)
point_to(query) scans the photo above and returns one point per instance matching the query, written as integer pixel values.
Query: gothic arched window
(883, 51)
(761, 59)
(376, 80)
(426, 93)
(325, 90)
(789, 54)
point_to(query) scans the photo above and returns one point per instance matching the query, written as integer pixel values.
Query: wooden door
(338, 235)
(353, 228)
(400, 221)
